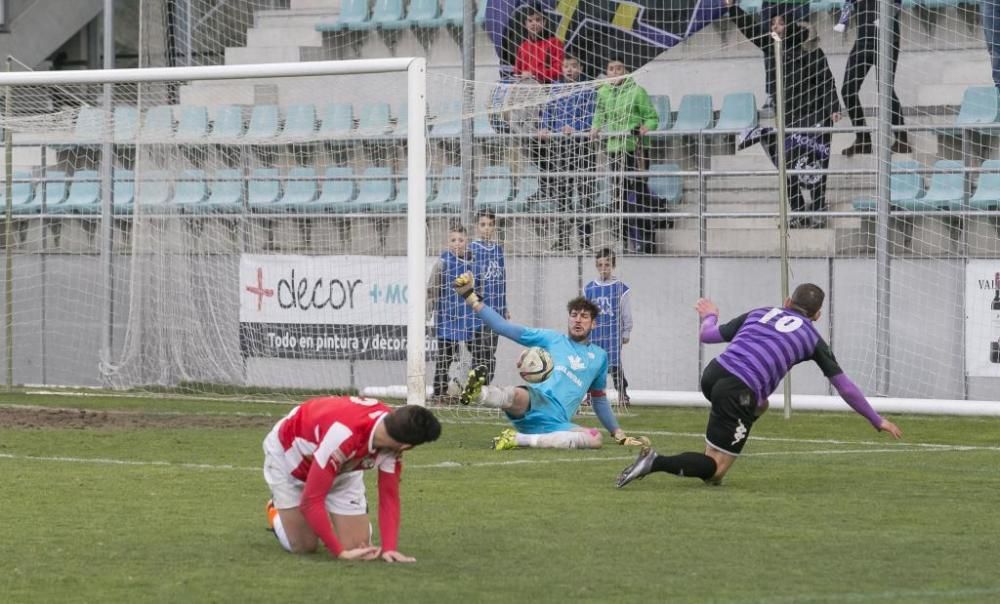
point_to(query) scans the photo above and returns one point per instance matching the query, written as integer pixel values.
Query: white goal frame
(415, 69)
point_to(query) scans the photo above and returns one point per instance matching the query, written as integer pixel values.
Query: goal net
(643, 154)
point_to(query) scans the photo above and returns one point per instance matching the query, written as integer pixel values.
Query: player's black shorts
(734, 409)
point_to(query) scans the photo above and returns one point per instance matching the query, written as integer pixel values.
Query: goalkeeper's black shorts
(734, 409)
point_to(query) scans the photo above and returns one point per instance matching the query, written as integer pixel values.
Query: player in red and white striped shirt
(313, 459)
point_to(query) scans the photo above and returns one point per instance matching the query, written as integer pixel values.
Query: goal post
(88, 139)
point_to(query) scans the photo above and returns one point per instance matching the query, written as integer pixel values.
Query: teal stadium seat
(482, 128)
(263, 189)
(377, 190)
(337, 120)
(987, 195)
(947, 188)
(905, 187)
(23, 200)
(89, 125)
(55, 190)
(402, 121)
(480, 17)
(374, 120)
(351, 12)
(337, 191)
(226, 195)
(980, 105)
(388, 15)
(227, 123)
(448, 121)
(424, 14)
(84, 194)
(448, 198)
(192, 123)
(152, 193)
(264, 124)
(126, 124)
(159, 124)
(695, 112)
(527, 189)
(751, 6)
(739, 111)
(300, 122)
(665, 184)
(662, 104)
(494, 189)
(452, 13)
(298, 193)
(191, 189)
(124, 191)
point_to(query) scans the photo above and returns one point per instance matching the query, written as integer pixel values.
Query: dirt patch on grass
(61, 418)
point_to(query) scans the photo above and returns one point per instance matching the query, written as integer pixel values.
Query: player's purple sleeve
(709, 333)
(853, 396)
(602, 409)
(500, 325)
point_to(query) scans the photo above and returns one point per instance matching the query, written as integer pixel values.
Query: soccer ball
(534, 365)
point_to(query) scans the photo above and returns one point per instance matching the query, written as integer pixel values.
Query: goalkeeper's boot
(477, 379)
(272, 512)
(639, 468)
(505, 441)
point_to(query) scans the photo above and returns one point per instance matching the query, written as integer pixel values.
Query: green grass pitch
(161, 500)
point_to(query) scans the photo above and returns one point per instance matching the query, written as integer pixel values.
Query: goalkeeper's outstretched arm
(465, 287)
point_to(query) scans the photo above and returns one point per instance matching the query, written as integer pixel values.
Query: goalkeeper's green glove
(464, 285)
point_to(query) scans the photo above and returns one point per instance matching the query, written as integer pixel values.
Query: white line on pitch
(455, 464)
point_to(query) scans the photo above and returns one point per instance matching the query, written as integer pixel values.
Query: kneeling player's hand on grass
(464, 285)
(394, 556)
(360, 553)
(891, 428)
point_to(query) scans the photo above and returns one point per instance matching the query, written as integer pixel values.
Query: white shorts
(346, 497)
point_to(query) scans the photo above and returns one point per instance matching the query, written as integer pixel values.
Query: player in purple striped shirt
(764, 345)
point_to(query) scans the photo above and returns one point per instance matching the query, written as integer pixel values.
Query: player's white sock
(279, 532)
(558, 440)
(497, 397)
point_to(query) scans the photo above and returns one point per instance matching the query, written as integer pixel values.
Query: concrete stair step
(281, 36)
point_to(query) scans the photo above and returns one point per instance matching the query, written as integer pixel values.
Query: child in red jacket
(538, 57)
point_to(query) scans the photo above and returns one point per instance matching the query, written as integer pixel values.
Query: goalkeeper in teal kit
(541, 413)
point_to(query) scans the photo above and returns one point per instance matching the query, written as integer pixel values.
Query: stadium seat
(388, 15)
(481, 13)
(695, 112)
(192, 123)
(263, 189)
(662, 104)
(159, 124)
(987, 195)
(669, 187)
(84, 194)
(739, 111)
(55, 190)
(152, 192)
(337, 120)
(351, 12)
(424, 14)
(374, 119)
(376, 190)
(264, 124)
(227, 123)
(527, 189)
(89, 125)
(452, 13)
(23, 200)
(905, 187)
(124, 191)
(402, 120)
(126, 124)
(448, 121)
(481, 126)
(980, 105)
(494, 188)
(226, 193)
(191, 189)
(448, 198)
(300, 122)
(751, 6)
(946, 191)
(337, 190)
(298, 193)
